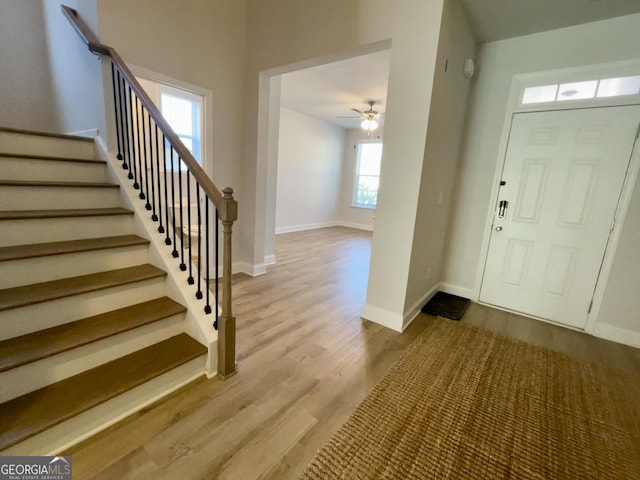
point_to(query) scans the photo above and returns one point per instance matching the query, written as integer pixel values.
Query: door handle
(502, 209)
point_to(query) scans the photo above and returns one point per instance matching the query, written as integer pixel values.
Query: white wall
(621, 302)
(310, 156)
(25, 92)
(444, 137)
(76, 74)
(597, 42)
(416, 28)
(348, 214)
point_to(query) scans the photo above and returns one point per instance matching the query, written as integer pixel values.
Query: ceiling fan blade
(356, 110)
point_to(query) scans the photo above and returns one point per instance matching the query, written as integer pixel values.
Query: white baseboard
(91, 133)
(411, 314)
(314, 226)
(457, 290)
(270, 259)
(616, 334)
(383, 317)
(249, 269)
(359, 226)
(302, 228)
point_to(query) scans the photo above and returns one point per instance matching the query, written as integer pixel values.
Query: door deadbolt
(502, 209)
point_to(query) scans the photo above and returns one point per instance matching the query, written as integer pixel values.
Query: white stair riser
(28, 169)
(42, 269)
(41, 145)
(31, 318)
(36, 375)
(81, 427)
(42, 198)
(25, 232)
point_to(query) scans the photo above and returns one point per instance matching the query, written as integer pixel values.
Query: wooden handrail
(226, 206)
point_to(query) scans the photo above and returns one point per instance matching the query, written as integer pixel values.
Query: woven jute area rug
(466, 403)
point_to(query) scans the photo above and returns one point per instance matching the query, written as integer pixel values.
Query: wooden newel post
(226, 320)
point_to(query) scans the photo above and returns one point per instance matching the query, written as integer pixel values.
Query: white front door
(560, 187)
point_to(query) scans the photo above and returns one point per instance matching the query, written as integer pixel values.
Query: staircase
(88, 334)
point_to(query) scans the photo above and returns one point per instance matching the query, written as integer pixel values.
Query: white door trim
(518, 83)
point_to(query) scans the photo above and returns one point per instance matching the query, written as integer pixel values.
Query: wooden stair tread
(19, 351)
(39, 133)
(42, 292)
(30, 414)
(70, 212)
(51, 158)
(19, 252)
(37, 183)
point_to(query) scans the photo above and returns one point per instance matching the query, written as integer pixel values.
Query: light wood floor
(305, 361)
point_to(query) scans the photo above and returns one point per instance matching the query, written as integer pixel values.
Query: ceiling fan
(369, 122)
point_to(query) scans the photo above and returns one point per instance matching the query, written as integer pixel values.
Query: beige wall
(25, 92)
(592, 43)
(444, 137)
(201, 43)
(76, 74)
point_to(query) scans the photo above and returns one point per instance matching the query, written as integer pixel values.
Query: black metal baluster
(160, 227)
(167, 240)
(144, 164)
(154, 217)
(128, 122)
(122, 116)
(138, 170)
(183, 266)
(207, 307)
(199, 292)
(216, 266)
(190, 280)
(116, 104)
(136, 185)
(173, 206)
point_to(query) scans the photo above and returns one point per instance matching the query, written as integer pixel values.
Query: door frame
(518, 84)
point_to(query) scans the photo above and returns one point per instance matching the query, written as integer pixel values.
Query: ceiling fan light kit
(369, 122)
(369, 125)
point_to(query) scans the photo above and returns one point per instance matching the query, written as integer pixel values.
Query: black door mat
(446, 305)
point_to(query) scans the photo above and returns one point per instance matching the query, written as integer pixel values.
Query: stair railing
(153, 154)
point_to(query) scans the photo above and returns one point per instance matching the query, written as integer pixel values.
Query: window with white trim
(367, 174)
(183, 111)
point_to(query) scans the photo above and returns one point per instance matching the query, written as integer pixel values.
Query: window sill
(365, 207)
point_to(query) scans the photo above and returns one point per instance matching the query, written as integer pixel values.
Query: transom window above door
(582, 90)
